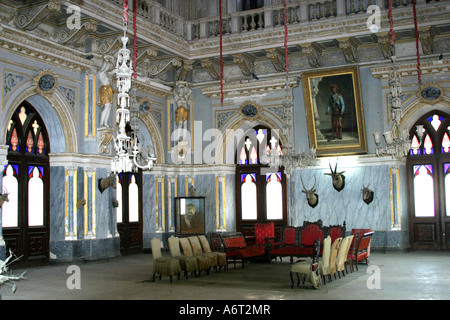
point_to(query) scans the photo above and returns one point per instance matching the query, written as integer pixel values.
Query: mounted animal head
(311, 196)
(104, 183)
(4, 197)
(367, 194)
(338, 178)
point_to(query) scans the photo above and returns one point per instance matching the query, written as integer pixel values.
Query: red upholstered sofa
(236, 248)
(299, 241)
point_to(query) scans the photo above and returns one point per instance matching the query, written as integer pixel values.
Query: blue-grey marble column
(90, 219)
(70, 222)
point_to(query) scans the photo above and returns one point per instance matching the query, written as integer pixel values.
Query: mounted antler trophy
(104, 183)
(4, 197)
(311, 196)
(367, 194)
(338, 178)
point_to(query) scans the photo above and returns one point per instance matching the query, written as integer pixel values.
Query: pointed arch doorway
(260, 190)
(428, 165)
(26, 217)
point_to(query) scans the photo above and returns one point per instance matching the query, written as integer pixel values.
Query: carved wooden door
(428, 168)
(26, 216)
(129, 212)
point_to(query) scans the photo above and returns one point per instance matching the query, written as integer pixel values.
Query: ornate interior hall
(127, 122)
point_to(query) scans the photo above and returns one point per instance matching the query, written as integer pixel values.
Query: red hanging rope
(221, 48)
(391, 20)
(419, 72)
(125, 11)
(285, 36)
(135, 51)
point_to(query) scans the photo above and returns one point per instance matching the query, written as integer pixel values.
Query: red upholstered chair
(358, 233)
(360, 251)
(336, 231)
(288, 244)
(310, 232)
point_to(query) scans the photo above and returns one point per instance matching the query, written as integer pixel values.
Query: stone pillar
(3, 162)
(89, 217)
(71, 195)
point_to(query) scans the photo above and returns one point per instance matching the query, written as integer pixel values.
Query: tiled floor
(390, 276)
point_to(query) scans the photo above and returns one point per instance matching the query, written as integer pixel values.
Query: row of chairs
(197, 257)
(336, 257)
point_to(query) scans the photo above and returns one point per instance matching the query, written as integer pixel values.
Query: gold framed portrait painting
(334, 111)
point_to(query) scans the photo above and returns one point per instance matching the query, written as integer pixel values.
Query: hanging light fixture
(286, 157)
(397, 142)
(128, 157)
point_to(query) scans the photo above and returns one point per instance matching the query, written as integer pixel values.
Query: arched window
(260, 189)
(26, 177)
(428, 166)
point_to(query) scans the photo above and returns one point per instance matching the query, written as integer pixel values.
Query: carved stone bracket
(148, 53)
(110, 45)
(28, 19)
(213, 67)
(387, 48)
(104, 138)
(348, 48)
(186, 68)
(426, 39)
(245, 63)
(278, 58)
(313, 54)
(160, 69)
(74, 35)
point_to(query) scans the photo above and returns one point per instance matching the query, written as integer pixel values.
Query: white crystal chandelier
(397, 141)
(128, 157)
(287, 158)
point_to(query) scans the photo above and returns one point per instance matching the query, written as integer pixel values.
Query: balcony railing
(258, 19)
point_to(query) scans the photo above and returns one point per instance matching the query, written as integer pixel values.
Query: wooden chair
(360, 251)
(188, 264)
(221, 256)
(163, 266)
(334, 250)
(342, 255)
(324, 262)
(309, 269)
(203, 261)
(198, 251)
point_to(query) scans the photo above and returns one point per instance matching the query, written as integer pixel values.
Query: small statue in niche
(182, 92)
(105, 92)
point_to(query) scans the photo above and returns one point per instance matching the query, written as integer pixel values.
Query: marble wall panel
(57, 203)
(148, 203)
(205, 186)
(347, 205)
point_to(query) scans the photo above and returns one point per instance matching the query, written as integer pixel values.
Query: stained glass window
(11, 186)
(415, 146)
(428, 145)
(436, 121)
(248, 196)
(274, 196)
(423, 184)
(35, 196)
(133, 200)
(119, 197)
(447, 188)
(445, 143)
